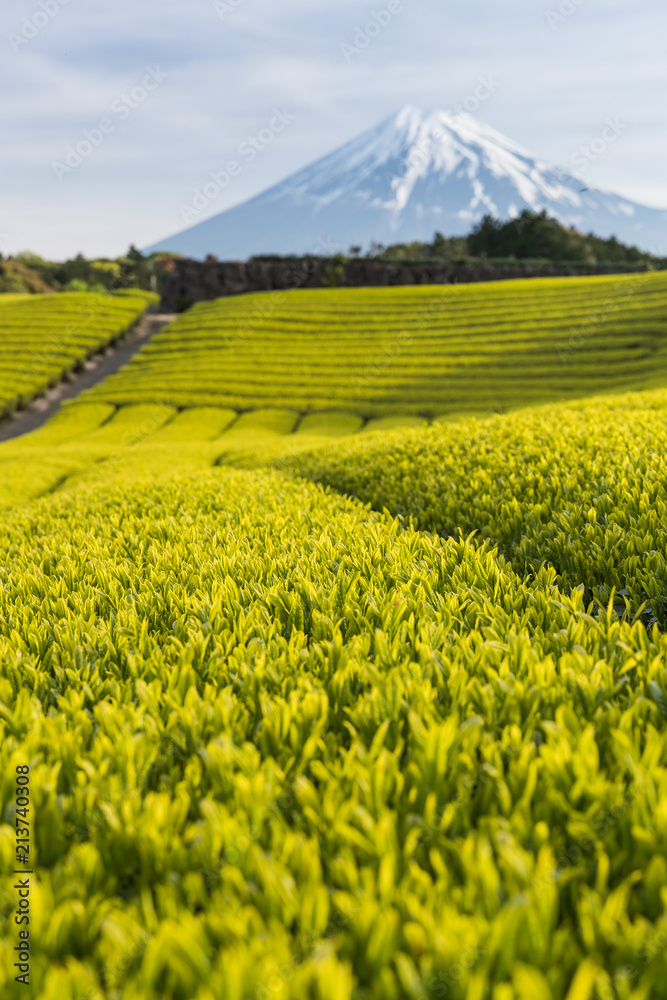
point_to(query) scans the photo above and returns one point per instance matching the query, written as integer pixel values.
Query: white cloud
(225, 77)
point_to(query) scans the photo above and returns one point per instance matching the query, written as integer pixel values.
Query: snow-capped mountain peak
(412, 174)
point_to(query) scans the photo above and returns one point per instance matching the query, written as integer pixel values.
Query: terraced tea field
(320, 709)
(580, 487)
(44, 338)
(86, 438)
(427, 351)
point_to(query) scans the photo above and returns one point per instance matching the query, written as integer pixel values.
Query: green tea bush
(410, 351)
(284, 746)
(579, 487)
(44, 338)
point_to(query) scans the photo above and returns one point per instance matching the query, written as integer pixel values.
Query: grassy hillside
(42, 339)
(427, 351)
(283, 745)
(146, 439)
(581, 487)
(408, 743)
(17, 279)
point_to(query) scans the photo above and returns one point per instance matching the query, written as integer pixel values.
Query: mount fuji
(415, 173)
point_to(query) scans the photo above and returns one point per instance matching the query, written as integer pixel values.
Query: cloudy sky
(158, 93)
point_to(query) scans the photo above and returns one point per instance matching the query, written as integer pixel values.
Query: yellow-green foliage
(581, 487)
(43, 339)
(88, 438)
(75, 441)
(284, 746)
(425, 351)
(281, 743)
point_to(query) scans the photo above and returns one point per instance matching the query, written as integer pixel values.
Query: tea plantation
(45, 337)
(426, 351)
(319, 708)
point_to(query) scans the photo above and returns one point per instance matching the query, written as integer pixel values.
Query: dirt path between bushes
(97, 368)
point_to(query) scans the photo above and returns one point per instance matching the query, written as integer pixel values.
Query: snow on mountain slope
(414, 173)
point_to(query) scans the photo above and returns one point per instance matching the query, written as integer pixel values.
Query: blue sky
(181, 84)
